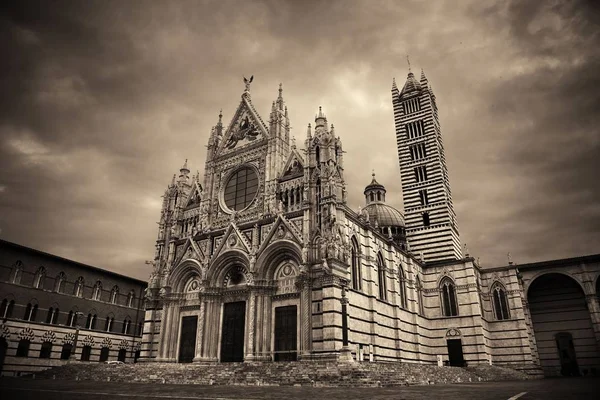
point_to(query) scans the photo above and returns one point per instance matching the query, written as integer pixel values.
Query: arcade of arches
(232, 314)
(561, 314)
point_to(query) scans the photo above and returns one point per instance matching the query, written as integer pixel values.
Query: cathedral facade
(263, 260)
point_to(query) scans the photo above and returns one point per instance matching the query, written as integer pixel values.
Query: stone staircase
(305, 373)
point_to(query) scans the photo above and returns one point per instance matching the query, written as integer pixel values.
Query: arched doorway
(562, 326)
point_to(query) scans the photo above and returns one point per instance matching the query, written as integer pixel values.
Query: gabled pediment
(190, 250)
(246, 128)
(195, 195)
(233, 239)
(282, 229)
(294, 165)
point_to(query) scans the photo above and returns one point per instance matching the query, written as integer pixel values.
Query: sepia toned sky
(101, 102)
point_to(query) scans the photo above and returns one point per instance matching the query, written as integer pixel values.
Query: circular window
(241, 189)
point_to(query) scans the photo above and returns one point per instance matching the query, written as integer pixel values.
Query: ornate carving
(4, 332)
(26, 334)
(49, 336)
(69, 338)
(88, 341)
(123, 344)
(453, 332)
(107, 342)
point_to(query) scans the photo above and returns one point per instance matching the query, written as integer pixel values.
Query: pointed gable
(233, 239)
(245, 128)
(195, 195)
(282, 229)
(294, 166)
(189, 250)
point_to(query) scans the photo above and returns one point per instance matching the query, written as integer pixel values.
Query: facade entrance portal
(455, 353)
(286, 333)
(232, 337)
(187, 341)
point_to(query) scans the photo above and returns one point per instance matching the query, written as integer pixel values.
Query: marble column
(250, 323)
(305, 316)
(200, 333)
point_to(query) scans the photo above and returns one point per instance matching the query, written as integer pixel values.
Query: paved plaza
(547, 389)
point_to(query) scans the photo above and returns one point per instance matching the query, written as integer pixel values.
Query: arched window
(122, 355)
(402, 288)
(130, 298)
(109, 323)
(40, 277)
(72, 318)
(66, 351)
(46, 350)
(59, 282)
(318, 155)
(97, 292)
(18, 271)
(419, 288)
(23, 348)
(126, 324)
(140, 329)
(86, 351)
(78, 291)
(356, 266)
(104, 354)
(30, 312)
(449, 304)
(381, 276)
(501, 310)
(52, 316)
(91, 321)
(4, 309)
(114, 295)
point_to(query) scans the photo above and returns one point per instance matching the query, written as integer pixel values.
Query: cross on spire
(408, 61)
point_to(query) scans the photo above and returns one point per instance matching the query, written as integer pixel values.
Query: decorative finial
(280, 89)
(373, 173)
(220, 115)
(509, 258)
(408, 61)
(466, 250)
(293, 142)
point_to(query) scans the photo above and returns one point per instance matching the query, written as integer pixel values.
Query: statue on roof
(247, 82)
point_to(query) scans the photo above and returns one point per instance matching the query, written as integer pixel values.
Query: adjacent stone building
(54, 311)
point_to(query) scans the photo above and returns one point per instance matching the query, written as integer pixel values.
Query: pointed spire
(185, 167)
(220, 117)
(423, 79)
(332, 130)
(394, 87)
(293, 142)
(308, 132)
(408, 61)
(320, 119)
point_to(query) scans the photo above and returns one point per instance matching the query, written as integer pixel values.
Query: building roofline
(79, 264)
(549, 263)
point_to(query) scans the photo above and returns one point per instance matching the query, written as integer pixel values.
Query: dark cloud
(102, 101)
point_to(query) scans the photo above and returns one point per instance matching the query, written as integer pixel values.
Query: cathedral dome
(384, 215)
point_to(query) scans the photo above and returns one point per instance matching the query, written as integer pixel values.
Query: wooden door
(187, 340)
(232, 337)
(455, 353)
(286, 333)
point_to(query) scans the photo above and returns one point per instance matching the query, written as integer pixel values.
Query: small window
(46, 350)
(4, 308)
(423, 197)
(114, 295)
(501, 309)
(78, 290)
(126, 324)
(86, 351)
(426, 219)
(449, 304)
(66, 351)
(382, 278)
(23, 348)
(97, 292)
(402, 289)
(140, 329)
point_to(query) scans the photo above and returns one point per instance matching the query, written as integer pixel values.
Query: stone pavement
(547, 389)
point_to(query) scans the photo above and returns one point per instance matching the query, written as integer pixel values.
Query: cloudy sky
(103, 101)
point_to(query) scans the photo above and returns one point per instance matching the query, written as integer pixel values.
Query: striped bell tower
(431, 226)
